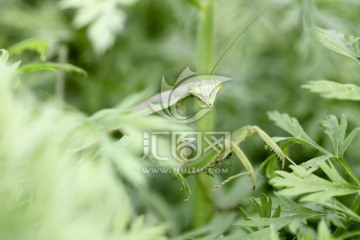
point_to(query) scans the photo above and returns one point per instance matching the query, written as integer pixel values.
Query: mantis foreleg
(211, 158)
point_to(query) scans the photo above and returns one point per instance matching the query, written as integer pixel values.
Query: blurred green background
(127, 46)
(153, 38)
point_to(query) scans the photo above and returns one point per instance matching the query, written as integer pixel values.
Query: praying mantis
(205, 91)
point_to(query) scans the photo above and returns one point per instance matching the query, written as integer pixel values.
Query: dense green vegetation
(72, 146)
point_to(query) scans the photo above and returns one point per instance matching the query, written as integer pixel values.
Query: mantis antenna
(237, 38)
(205, 91)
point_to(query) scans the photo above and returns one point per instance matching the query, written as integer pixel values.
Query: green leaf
(349, 235)
(290, 206)
(333, 174)
(311, 187)
(280, 221)
(292, 126)
(49, 66)
(247, 217)
(336, 132)
(338, 42)
(296, 213)
(307, 143)
(219, 224)
(104, 20)
(338, 219)
(334, 90)
(38, 45)
(349, 139)
(269, 166)
(273, 233)
(338, 206)
(6, 70)
(263, 234)
(277, 212)
(263, 205)
(195, 3)
(4, 55)
(244, 214)
(324, 232)
(289, 124)
(313, 164)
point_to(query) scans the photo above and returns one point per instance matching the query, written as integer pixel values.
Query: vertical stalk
(349, 171)
(356, 204)
(206, 53)
(61, 77)
(205, 61)
(206, 37)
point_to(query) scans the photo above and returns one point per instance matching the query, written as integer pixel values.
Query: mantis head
(206, 91)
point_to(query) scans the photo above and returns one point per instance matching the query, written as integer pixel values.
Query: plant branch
(61, 77)
(205, 60)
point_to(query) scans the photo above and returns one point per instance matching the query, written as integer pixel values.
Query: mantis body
(206, 92)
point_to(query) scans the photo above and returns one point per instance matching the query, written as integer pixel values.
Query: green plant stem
(206, 38)
(348, 170)
(356, 204)
(206, 53)
(61, 77)
(203, 208)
